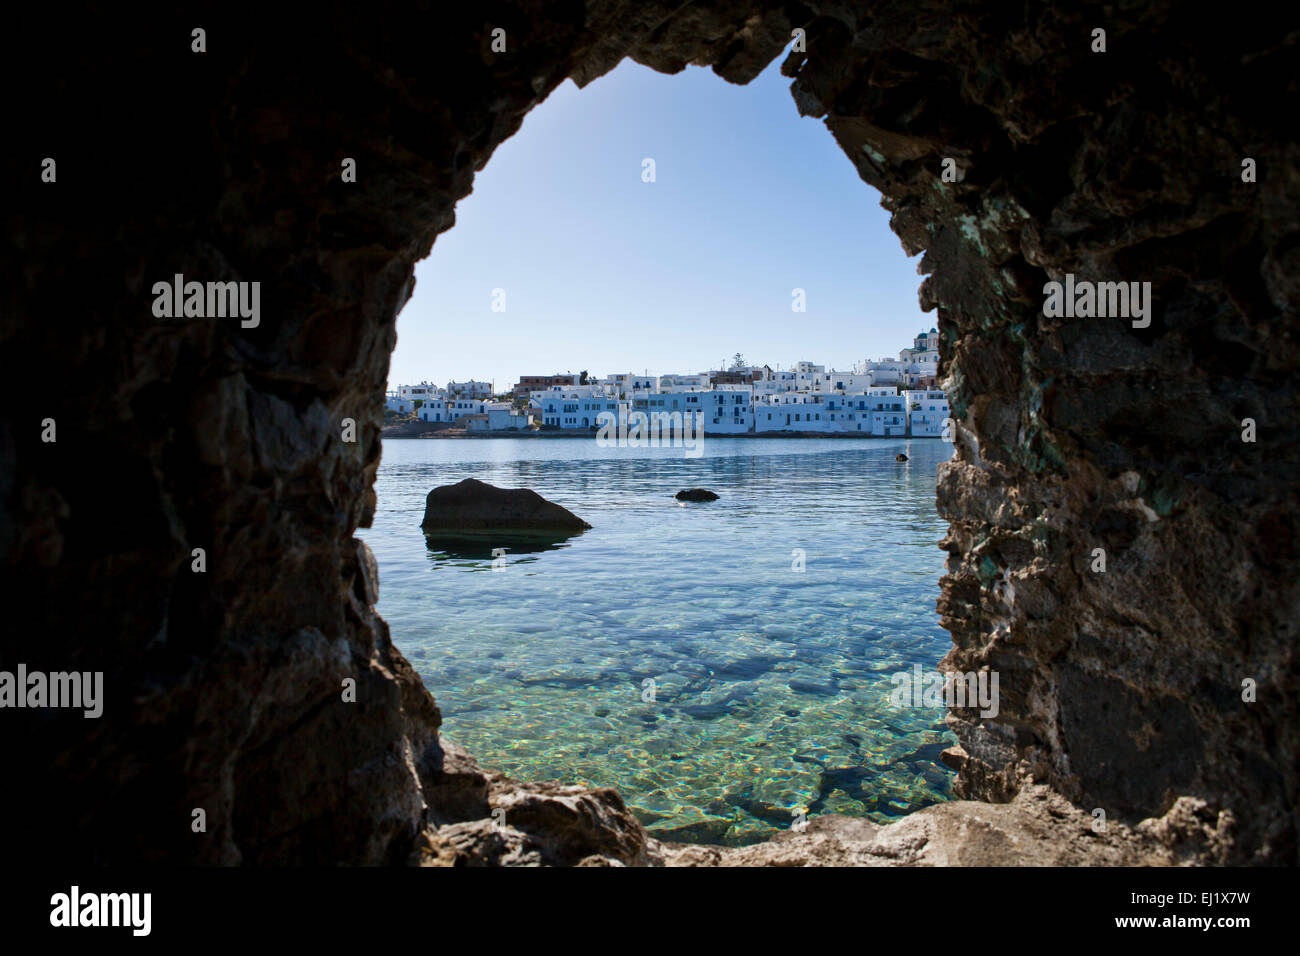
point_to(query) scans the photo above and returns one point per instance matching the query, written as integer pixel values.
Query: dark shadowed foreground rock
(696, 494)
(474, 512)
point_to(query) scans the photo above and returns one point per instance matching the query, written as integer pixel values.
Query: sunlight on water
(771, 686)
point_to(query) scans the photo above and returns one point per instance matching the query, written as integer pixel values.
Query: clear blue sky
(608, 273)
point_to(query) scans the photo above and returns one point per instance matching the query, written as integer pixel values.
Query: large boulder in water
(473, 512)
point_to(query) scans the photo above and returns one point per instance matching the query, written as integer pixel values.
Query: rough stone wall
(223, 688)
(1122, 689)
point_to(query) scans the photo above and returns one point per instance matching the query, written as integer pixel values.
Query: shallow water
(770, 685)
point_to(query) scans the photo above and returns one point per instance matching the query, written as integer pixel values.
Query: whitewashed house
(435, 411)
(882, 371)
(450, 410)
(423, 392)
(408, 398)
(396, 403)
(458, 408)
(791, 412)
(680, 383)
(726, 409)
(501, 416)
(627, 385)
(927, 410)
(469, 390)
(848, 413)
(888, 415)
(843, 382)
(773, 383)
(573, 406)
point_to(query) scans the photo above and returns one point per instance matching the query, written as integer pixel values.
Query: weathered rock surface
(474, 509)
(518, 824)
(1120, 689)
(696, 494)
(1038, 828)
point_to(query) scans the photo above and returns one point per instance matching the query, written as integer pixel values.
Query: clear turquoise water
(771, 685)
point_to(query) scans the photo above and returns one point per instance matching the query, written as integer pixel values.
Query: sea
(729, 666)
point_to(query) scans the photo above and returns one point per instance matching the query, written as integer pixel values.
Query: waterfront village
(885, 398)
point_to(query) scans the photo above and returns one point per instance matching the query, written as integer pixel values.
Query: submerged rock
(696, 494)
(802, 685)
(475, 513)
(703, 831)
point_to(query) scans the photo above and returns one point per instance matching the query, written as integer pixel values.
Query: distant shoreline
(402, 431)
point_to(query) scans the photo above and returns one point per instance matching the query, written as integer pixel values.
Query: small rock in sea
(696, 494)
(901, 457)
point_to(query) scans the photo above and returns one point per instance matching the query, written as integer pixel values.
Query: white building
(458, 408)
(501, 416)
(790, 412)
(433, 412)
(728, 409)
(470, 389)
(725, 410)
(887, 372)
(495, 417)
(404, 397)
(851, 412)
(922, 359)
(915, 366)
(927, 410)
(423, 391)
(880, 413)
(474, 415)
(924, 350)
(888, 415)
(396, 403)
(450, 410)
(627, 384)
(773, 382)
(834, 381)
(681, 383)
(574, 406)
(806, 398)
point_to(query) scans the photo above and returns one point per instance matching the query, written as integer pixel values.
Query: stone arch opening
(540, 671)
(1122, 690)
